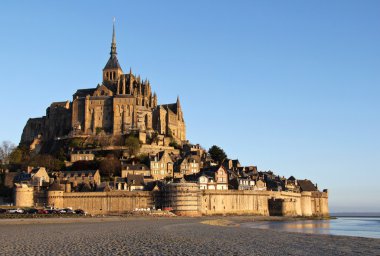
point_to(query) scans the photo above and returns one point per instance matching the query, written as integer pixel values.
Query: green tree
(133, 145)
(110, 166)
(16, 156)
(84, 165)
(217, 154)
(76, 143)
(173, 143)
(47, 161)
(143, 159)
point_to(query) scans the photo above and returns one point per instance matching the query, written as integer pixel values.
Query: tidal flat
(168, 236)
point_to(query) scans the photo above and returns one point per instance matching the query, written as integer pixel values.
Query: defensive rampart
(186, 199)
(102, 202)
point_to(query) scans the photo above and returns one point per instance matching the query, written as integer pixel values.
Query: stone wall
(102, 202)
(242, 202)
(185, 199)
(233, 202)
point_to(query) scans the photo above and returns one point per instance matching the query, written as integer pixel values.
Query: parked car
(80, 211)
(68, 210)
(18, 210)
(3, 210)
(31, 211)
(42, 211)
(61, 211)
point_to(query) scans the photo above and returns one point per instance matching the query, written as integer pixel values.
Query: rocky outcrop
(33, 128)
(56, 123)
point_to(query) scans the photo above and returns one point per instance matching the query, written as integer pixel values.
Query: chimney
(29, 169)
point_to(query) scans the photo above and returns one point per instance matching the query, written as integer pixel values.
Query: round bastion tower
(24, 195)
(183, 198)
(55, 196)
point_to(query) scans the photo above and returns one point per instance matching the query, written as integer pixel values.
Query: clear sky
(289, 86)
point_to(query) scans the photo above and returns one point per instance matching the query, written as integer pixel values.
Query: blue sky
(290, 86)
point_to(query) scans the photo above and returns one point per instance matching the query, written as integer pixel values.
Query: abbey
(121, 104)
(121, 151)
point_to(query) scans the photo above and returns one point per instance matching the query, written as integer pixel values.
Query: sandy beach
(167, 236)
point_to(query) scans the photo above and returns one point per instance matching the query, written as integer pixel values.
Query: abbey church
(121, 104)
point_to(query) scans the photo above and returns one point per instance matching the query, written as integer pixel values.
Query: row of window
(111, 75)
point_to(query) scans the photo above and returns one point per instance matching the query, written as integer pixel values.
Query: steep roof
(85, 92)
(136, 180)
(112, 63)
(135, 167)
(306, 185)
(79, 173)
(172, 107)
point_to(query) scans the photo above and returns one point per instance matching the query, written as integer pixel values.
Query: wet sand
(167, 236)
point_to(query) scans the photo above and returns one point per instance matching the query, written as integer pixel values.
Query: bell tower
(112, 71)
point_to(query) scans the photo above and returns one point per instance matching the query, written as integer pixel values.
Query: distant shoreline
(355, 214)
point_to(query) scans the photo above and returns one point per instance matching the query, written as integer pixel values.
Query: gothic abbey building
(121, 104)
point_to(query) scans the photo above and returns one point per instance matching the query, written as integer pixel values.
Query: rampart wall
(102, 202)
(186, 199)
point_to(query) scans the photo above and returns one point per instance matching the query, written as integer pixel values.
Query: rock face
(33, 128)
(121, 104)
(57, 122)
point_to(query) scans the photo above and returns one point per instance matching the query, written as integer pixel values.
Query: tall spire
(113, 44)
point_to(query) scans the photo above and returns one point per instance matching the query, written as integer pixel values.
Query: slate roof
(193, 177)
(112, 63)
(159, 156)
(306, 185)
(136, 180)
(210, 171)
(78, 173)
(61, 104)
(85, 92)
(172, 107)
(135, 167)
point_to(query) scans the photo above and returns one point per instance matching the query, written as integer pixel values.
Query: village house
(81, 156)
(260, 185)
(130, 183)
(291, 184)
(135, 169)
(186, 166)
(38, 176)
(161, 165)
(76, 177)
(213, 178)
(135, 182)
(120, 183)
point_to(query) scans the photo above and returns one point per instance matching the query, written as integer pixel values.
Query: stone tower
(112, 71)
